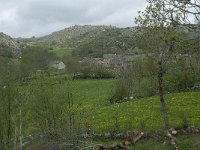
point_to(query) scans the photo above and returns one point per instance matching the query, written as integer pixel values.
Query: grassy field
(93, 108)
(60, 52)
(145, 112)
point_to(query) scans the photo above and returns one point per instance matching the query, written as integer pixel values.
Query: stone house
(58, 65)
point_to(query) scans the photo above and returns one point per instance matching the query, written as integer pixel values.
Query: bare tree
(158, 37)
(180, 12)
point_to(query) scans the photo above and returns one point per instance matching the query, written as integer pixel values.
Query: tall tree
(158, 37)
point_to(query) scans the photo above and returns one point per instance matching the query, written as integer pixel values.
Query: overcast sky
(26, 18)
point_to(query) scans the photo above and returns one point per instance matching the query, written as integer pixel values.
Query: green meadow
(92, 107)
(93, 111)
(60, 52)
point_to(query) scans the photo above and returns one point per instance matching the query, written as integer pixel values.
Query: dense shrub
(140, 79)
(95, 72)
(147, 88)
(4, 52)
(119, 93)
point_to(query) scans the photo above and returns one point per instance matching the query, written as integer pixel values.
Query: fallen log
(138, 138)
(122, 145)
(114, 146)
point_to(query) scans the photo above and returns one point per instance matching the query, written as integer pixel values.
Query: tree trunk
(20, 130)
(15, 140)
(161, 94)
(9, 119)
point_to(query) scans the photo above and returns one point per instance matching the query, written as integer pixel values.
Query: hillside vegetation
(89, 40)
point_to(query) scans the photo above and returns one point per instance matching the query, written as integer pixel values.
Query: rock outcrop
(8, 43)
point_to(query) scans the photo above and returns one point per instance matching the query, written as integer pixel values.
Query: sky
(27, 18)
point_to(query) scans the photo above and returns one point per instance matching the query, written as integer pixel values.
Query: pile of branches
(133, 138)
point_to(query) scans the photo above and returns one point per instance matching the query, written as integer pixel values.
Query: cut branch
(123, 144)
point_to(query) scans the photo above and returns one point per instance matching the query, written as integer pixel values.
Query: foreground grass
(185, 142)
(147, 114)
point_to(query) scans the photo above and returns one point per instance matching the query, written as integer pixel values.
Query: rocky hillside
(73, 35)
(9, 44)
(115, 40)
(90, 40)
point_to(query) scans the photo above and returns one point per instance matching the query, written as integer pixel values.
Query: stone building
(58, 65)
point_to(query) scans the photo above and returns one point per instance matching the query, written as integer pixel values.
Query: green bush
(119, 93)
(6, 52)
(147, 88)
(95, 72)
(178, 81)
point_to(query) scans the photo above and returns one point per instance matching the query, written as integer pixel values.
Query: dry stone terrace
(114, 61)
